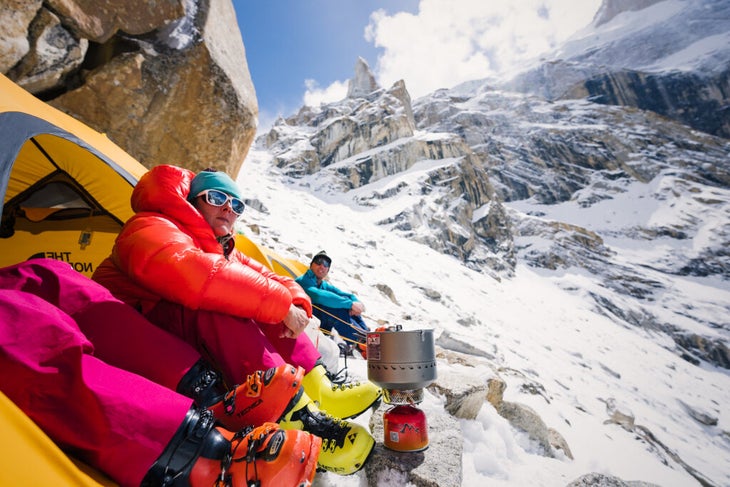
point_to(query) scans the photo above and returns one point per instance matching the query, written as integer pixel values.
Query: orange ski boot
(200, 454)
(264, 456)
(264, 397)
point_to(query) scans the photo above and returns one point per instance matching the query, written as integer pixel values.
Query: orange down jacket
(168, 251)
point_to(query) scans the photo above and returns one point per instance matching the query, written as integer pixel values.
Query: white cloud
(447, 42)
(315, 95)
(266, 121)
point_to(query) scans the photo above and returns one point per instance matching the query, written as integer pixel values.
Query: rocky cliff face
(667, 57)
(167, 81)
(367, 142)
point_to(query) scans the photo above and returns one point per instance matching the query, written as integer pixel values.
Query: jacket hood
(164, 190)
(160, 187)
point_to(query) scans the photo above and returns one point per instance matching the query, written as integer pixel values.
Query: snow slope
(542, 331)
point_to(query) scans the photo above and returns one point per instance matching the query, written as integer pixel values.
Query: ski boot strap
(193, 439)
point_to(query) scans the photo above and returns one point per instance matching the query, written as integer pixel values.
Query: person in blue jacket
(335, 308)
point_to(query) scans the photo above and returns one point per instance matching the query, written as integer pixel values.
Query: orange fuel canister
(405, 429)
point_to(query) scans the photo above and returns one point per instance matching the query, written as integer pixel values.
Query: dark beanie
(322, 254)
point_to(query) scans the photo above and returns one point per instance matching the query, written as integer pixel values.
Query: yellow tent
(66, 187)
(281, 265)
(29, 457)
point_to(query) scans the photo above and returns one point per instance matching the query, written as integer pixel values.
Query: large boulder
(15, 19)
(167, 81)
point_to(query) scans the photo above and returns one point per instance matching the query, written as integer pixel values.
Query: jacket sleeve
(299, 297)
(161, 257)
(326, 294)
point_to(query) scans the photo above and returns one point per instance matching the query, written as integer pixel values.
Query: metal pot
(401, 360)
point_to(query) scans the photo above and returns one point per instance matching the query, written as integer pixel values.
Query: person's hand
(357, 308)
(295, 322)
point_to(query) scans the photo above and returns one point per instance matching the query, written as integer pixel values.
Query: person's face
(220, 218)
(320, 267)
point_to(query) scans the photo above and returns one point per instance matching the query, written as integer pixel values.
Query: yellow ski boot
(340, 400)
(346, 446)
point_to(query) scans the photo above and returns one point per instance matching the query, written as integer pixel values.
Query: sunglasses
(219, 198)
(323, 262)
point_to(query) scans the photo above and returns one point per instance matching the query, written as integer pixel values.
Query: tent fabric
(40, 147)
(86, 154)
(281, 265)
(29, 457)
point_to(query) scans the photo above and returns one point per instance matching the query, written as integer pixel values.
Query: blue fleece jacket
(325, 294)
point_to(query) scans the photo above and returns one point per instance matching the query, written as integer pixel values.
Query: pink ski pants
(235, 346)
(95, 375)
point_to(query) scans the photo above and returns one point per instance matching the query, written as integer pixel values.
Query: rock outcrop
(439, 465)
(371, 138)
(167, 81)
(603, 480)
(630, 70)
(363, 83)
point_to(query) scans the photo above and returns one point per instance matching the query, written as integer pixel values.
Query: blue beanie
(213, 180)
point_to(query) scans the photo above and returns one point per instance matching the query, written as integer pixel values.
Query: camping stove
(402, 363)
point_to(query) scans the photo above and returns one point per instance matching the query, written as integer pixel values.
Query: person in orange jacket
(72, 359)
(176, 262)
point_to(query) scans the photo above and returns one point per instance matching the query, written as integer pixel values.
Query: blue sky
(304, 51)
(290, 41)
